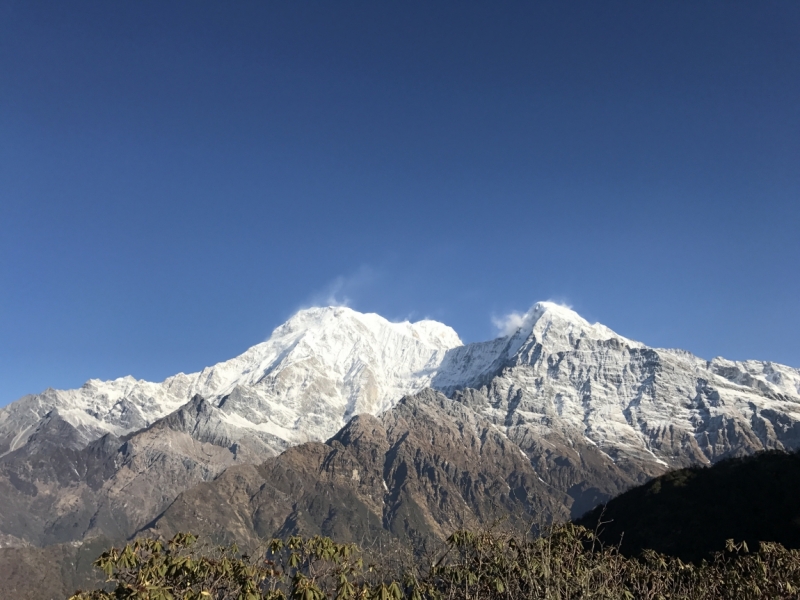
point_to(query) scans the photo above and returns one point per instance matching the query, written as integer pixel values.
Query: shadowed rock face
(418, 472)
(51, 573)
(51, 494)
(691, 512)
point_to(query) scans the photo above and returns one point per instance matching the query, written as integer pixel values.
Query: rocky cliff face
(417, 472)
(112, 487)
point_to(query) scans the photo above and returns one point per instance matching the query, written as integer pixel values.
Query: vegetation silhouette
(690, 513)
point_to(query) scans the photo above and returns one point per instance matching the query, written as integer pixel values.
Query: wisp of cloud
(509, 323)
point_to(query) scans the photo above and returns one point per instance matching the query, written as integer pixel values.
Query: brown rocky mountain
(416, 473)
(427, 467)
(50, 573)
(114, 486)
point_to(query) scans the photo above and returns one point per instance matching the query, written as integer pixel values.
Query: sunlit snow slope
(312, 374)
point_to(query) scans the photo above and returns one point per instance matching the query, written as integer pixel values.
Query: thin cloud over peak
(509, 323)
(343, 289)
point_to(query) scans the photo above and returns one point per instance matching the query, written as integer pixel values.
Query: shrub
(567, 563)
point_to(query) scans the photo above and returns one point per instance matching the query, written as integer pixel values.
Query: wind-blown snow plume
(342, 290)
(509, 323)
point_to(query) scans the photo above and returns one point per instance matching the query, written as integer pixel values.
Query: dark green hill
(689, 513)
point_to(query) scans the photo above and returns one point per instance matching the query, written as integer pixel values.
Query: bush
(568, 563)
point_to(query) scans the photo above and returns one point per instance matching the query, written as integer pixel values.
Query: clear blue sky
(177, 178)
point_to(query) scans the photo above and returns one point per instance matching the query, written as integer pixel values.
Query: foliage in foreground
(569, 563)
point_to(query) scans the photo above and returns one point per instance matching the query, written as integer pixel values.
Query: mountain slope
(691, 512)
(645, 409)
(113, 486)
(417, 472)
(595, 414)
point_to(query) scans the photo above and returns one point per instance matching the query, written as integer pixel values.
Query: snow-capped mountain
(560, 376)
(545, 422)
(314, 372)
(556, 377)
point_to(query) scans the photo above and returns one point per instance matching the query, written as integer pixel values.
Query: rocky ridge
(556, 371)
(415, 473)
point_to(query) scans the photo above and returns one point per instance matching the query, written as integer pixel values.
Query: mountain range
(346, 424)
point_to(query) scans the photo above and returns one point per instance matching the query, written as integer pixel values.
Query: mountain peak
(324, 318)
(557, 328)
(550, 311)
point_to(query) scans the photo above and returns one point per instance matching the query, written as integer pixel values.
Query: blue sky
(176, 179)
